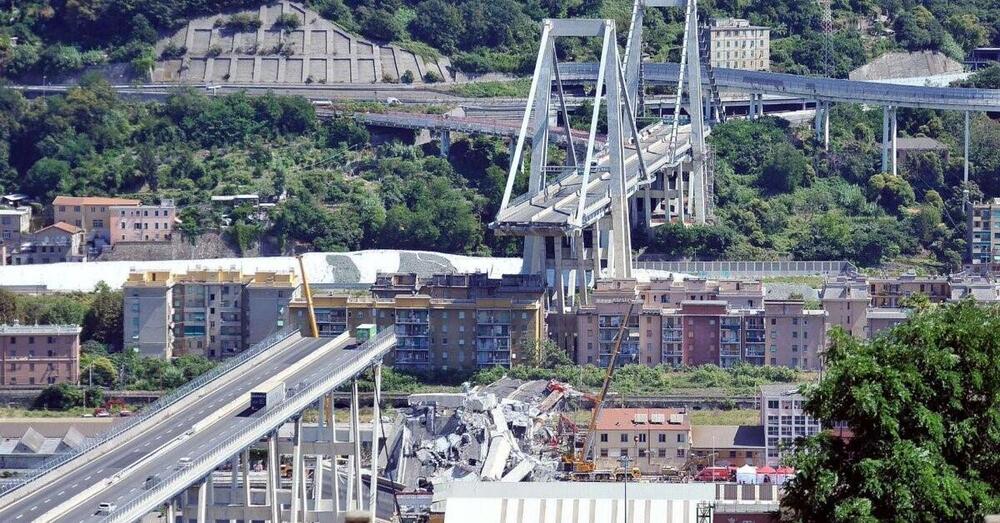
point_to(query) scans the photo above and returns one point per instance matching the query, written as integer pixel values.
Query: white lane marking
(88, 477)
(60, 493)
(34, 508)
(19, 516)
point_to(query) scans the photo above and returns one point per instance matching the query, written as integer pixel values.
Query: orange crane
(580, 461)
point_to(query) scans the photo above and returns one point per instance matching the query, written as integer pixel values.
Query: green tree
(97, 370)
(785, 170)
(8, 307)
(46, 178)
(62, 396)
(103, 321)
(920, 402)
(438, 23)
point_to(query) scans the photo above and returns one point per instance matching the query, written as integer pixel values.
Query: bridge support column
(445, 138)
(246, 477)
(679, 188)
(822, 124)
(581, 268)
(557, 278)
(647, 206)
(895, 132)
(171, 511)
(334, 465)
(273, 477)
(595, 234)
(885, 138)
(202, 511)
(965, 167)
(376, 441)
(354, 482)
(297, 472)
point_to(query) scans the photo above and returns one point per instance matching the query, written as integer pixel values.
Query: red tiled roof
(63, 226)
(93, 200)
(624, 419)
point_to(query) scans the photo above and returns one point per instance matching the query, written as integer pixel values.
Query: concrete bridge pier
(889, 132)
(822, 124)
(444, 137)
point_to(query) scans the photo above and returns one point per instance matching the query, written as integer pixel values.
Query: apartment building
(445, 322)
(60, 242)
(143, 223)
(796, 336)
(784, 419)
(213, 313)
(39, 355)
(735, 44)
(14, 223)
(736, 325)
(983, 238)
(845, 301)
(891, 292)
(652, 439)
(90, 213)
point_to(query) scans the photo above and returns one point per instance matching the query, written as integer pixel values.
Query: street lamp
(625, 461)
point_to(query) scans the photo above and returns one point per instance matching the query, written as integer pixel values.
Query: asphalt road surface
(34, 505)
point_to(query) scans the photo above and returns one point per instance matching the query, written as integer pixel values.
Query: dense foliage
(778, 196)
(340, 193)
(920, 405)
(499, 35)
(99, 313)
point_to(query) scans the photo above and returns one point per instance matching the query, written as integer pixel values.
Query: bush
(59, 397)
(432, 78)
(243, 22)
(407, 77)
(172, 50)
(287, 22)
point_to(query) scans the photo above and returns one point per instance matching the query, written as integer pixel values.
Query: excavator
(577, 460)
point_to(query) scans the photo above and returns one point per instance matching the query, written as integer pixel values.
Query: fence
(153, 409)
(757, 269)
(364, 355)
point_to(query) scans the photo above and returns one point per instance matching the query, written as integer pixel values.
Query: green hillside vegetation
(342, 193)
(777, 196)
(56, 36)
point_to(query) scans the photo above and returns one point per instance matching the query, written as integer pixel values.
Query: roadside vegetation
(920, 404)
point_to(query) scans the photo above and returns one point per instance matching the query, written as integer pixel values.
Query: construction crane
(580, 461)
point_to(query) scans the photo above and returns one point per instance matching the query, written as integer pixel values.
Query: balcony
(729, 351)
(411, 358)
(412, 317)
(491, 359)
(755, 336)
(411, 329)
(493, 318)
(495, 331)
(492, 345)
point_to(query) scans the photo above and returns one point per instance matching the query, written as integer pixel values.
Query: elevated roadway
(463, 124)
(157, 445)
(826, 89)
(553, 210)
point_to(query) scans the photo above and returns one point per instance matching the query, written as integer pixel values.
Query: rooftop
(62, 226)
(39, 329)
(93, 200)
(643, 419)
(727, 436)
(781, 389)
(920, 143)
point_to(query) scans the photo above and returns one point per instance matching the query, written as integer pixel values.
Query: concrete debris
(506, 431)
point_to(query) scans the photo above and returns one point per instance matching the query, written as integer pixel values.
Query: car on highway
(184, 462)
(151, 481)
(125, 413)
(106, 508)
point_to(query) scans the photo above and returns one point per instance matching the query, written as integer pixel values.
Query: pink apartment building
(143, 223)
(39, 355)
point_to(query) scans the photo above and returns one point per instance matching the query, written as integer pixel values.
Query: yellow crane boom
(583, 462)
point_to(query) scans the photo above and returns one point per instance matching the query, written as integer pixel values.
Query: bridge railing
(751, 268)
(151, 410)
(365, 354)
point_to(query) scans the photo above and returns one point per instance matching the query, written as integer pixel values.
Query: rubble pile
(502, 432)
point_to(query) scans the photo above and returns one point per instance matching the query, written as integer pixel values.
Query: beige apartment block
(210, 312)
(735, 44)
(90, 213)
(446, 322)
(143, 223)
(651, 439)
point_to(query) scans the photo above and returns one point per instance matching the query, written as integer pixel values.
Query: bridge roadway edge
(104, 448)
(271, 420)
(218, 414)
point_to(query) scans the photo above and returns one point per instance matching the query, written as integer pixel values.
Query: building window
(13, 340)
(680, 453)
(661, 453)
(31, 340)
(604, 453)
(681, 438)
(623, 438)
(642, 438)
(662, 438)
(604, 437)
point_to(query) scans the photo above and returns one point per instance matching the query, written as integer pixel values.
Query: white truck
(266, 398)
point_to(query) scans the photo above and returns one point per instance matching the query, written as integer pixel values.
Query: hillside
(498, 35)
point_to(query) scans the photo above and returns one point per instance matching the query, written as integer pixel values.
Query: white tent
(746, 474)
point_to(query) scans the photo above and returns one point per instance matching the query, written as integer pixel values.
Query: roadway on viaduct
(158, 447)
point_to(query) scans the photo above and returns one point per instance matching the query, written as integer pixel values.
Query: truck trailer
(266, 398)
